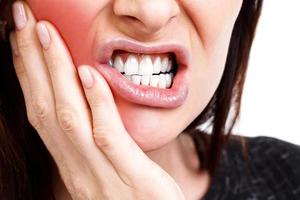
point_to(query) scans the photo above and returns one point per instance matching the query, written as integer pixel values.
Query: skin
(75, 26)
(205, 33)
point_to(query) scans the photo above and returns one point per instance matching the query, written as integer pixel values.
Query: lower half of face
(202, 27)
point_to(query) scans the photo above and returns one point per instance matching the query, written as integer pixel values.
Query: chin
(149, 127)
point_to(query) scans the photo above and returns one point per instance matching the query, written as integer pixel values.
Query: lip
(140, 94)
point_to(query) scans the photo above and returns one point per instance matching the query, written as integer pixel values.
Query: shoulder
(272, 167)
(279, 157)
(258, 168)
(272, 146)
(264, 149)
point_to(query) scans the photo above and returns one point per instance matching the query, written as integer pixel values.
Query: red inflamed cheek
(73, 20)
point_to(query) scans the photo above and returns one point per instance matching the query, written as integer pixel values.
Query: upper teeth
(144, 67)
(118, 64)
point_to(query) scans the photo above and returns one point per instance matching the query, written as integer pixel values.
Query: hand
(81, 128)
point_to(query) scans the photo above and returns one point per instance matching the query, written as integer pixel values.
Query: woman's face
(202, 27)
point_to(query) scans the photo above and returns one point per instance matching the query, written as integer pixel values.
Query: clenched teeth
(156, 71)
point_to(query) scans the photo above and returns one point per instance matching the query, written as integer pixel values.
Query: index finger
(109, 132)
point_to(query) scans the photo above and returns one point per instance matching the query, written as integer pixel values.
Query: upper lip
(105, 51)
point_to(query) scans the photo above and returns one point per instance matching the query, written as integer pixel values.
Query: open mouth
(155, 70)
(154, 76)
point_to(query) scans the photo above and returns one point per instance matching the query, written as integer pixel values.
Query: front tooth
(169, 66)
(154, 80)
(157, 65)
(145, 79)
(119, 64)
(164, 64)
(131, 65)
(162, 81)
(136, 79)
(146, 66)
(168, 80)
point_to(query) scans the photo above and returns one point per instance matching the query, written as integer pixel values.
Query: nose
(145, 16)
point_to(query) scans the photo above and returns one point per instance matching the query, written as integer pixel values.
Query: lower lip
(146, 95)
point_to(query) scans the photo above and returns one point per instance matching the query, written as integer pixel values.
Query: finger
(72, 110)
(65, 154)
(24, 83)
(109, 132)
(21, 73)
(33, 61)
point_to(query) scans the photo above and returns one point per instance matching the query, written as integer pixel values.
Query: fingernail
(43, 35)
(13, 44)
(19, 15)
(85, 77)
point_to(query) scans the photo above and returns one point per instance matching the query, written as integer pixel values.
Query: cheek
(73, 19)
(214, 31)
(214, 21)
(211, 36)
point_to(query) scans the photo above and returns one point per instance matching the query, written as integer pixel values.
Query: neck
(180, 160)
(178, 155)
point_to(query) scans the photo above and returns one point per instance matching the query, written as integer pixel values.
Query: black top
(271, 171)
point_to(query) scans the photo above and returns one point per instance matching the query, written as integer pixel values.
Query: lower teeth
(162, 80)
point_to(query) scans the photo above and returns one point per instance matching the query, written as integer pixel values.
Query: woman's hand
(81, 128)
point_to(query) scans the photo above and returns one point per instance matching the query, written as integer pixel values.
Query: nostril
(133, 21)
(131, 18)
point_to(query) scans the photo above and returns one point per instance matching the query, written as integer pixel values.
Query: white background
(271, 101)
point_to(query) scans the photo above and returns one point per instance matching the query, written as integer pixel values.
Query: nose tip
(147, 16)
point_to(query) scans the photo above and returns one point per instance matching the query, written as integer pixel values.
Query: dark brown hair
(25, 163)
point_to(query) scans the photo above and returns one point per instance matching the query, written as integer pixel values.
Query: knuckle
(33, 120)
(96, 102)
(79, 191)
(102, 138)
(25, 43)
(66, 118)
(41, 110)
